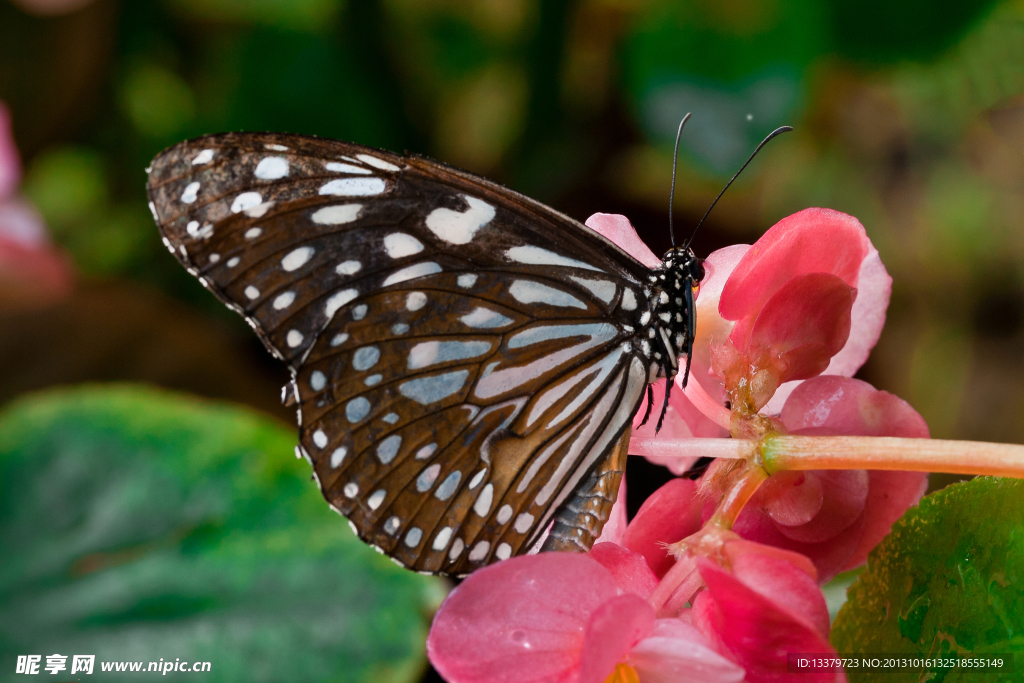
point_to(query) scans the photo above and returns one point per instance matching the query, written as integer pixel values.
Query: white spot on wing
(319, 438)
(253, 233)
(529, 292)
(457, 547)
(337, 300)
(399, 245)
(246, 200)
(628, 299)
(503, 552)
(376, 498)
(294, 338)
(339, 339)
(504, 514)
(466, 281)
(479, 477)
(442, 538)
(412, 539)
(191, 193)
(353, 187)
(460, 228)
(391, 526)
(426, 451)
(233, 261)
(283, 301)
(365, 358)
(377, 163)
(434, 352)
(338, 167)
(271, 168)
(479, 551)
(536, 256)
(317, 380)
(414, 301)
(338, 456)
(251, 292)
(485, 318)
(276, 148)
(483, 502)
(388, 449)
(523, 523)
(357, 409)
(350, 490)
(297, 258)
(602, 289)
(447, 488)
(427, 390)
(427, 478)
(337, 214)
(412, 272)
(348, 267)
(258, 210)
(204, 157)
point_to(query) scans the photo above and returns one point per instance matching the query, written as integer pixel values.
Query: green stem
(782, 452)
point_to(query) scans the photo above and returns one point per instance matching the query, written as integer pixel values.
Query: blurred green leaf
(139, 525)
(948, 580)
(158, 102)
(66, 184)
(300, 14)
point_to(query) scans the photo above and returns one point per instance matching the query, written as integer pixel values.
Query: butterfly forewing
(462, 355)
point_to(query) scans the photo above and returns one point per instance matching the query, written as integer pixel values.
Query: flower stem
(782, 452)
(732, 449)
(737, 495)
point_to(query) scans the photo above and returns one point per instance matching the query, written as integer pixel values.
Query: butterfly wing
(463, 357)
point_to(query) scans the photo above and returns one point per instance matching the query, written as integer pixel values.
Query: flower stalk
(780, 452)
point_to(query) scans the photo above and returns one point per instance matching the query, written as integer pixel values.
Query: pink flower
(790, 317)
(835, 517)
(570, 618)
(760, 605)
(32, 271)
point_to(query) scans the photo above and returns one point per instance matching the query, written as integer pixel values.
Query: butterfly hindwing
(463, 356)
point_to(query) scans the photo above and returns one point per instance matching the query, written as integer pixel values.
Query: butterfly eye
(698, 271)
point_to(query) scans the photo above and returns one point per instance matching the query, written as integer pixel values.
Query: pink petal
(829, 557)
(837, 405)
(620, 231)
(844, 495)
(792, 498)
(612, 631)
(758, 630)
(798, 330)
(615, 527)
(10, 161)
(711, 326)
(670, 514)
(674, 652)
(890, 494)
(810, 241)
(773, 575)
(629, 569)
(830, 405)
(518, 621)
(866, 321)
(21, 223)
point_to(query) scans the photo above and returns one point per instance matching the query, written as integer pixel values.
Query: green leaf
(948, 580)
(138, 524)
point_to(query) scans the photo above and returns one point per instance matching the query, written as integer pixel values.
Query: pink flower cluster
(782, 325)
(32, 270)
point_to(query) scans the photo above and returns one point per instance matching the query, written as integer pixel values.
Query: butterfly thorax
(668, 330)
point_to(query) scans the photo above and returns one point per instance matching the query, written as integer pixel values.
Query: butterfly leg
(579, 520)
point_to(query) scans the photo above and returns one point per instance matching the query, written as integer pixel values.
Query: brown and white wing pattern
(463, 357)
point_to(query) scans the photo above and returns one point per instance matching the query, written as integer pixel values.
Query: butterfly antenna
(778, 131)
(672, 190)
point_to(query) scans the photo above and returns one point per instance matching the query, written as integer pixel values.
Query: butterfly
(466, 362)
